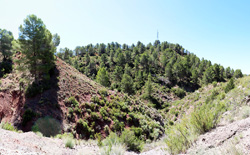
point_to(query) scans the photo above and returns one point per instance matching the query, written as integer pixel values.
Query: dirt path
(13, 143)
(30, 143)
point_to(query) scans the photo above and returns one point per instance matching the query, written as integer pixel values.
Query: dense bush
(48, 126)
(7, 126)
(230, 85)
(118, 126)
(131, 141)
(103, 91)
(28, 116)
(127, 139)
(84, 129)
(178, 92)
(72, 101)
(182, 134)
(69, 143)
(205, 118)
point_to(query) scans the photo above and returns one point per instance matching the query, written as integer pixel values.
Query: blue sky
(216, 30)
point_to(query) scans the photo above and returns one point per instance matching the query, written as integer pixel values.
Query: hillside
(211, 120)
(77, 103)
(229, 136)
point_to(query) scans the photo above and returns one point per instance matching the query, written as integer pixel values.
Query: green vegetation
(102, 77)
(7, 126)
(206, 113)
(6, 50)
(131, 67)
(28, 116)
(127, 139)
(98, 114)
(47, 126)
(230, 85)
(37, 48)
(156, 88)
(69, 143)
(131, 141)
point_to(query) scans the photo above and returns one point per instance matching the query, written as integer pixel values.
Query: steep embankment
(65, 82)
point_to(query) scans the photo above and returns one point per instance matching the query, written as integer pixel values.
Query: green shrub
(112, 97)
(116, 149)
(48, 126)
(138, 131)
(178, 137)
(181, 135)
(178, 92)
(131, 141)
(83, 129)
(98, 136)
(72, 101)
(112, 139)
(94, 116)
(95, 99)
(103, 92)
(7, 126)
(64, 136)
(106, 129)
(28, 116)
(206, 117)
(102, 102)
(230, 85)
(118, 126)
(171, 123)
(214, 84)
(103, 112)
(69, 143)
(222, 96)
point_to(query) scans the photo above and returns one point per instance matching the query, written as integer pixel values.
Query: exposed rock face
(11, 103)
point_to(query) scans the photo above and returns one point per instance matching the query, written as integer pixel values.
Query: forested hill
(127, 68)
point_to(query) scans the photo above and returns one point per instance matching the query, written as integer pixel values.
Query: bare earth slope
(228, 139)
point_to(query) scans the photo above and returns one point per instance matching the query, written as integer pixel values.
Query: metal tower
(157, 35)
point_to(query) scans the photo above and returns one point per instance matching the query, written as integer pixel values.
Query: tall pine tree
(37, 47)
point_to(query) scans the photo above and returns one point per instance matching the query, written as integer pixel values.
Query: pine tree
(37, 48)
(230, 85)
(169, 73)
(148, 86)
(87, 59)
(117, 74)
(6, 38)
(127, 84)
(102, 77)
(208, 76)
(194, 77)
(238, 73)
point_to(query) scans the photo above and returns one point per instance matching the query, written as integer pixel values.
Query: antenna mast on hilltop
(157, 35)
